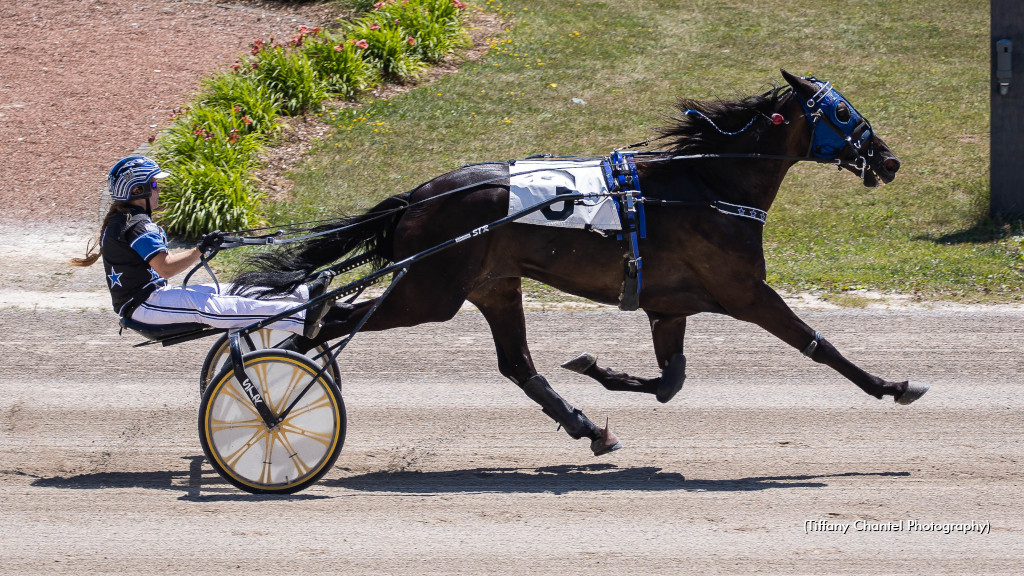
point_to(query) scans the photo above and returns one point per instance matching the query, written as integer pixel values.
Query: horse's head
(840, 133)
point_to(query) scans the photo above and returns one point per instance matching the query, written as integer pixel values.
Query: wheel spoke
(221, 425)
(231, 390)
(261, 377)
(233, 458)
(300, 465)
(323, 402)
(264, 337)
(325, 439)
(268, 460)
(297, 376)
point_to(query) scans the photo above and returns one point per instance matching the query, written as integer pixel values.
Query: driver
(137, 264)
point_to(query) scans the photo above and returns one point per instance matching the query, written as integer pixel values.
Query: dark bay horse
(702, 251)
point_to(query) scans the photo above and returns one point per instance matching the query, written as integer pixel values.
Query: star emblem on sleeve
(115, 277)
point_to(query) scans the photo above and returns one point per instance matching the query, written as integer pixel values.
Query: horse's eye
(843, 112)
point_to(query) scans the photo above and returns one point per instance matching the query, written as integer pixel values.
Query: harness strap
(741, 211)
(621, 175)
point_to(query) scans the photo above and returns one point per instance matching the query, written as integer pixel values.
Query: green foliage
(387, 47)
(209, 151)
(291, 76)
(435, 26)
(246, 96)
(340, 64)
(203, 196)
(363, 5)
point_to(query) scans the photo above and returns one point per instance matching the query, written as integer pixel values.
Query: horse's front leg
(668, 333)
(767, 309)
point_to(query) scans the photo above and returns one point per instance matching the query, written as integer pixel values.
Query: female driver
(137, 265)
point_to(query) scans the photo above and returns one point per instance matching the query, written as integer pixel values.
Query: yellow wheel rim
(291, 453)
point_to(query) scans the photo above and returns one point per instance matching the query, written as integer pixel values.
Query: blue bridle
(854, 132)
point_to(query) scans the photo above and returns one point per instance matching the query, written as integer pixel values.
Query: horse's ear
(798, 84)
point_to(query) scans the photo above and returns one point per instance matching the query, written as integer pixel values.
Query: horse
(705, 199)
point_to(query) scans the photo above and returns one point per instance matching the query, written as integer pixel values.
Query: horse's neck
(743, 181)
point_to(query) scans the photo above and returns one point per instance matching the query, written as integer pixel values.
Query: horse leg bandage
(572, 419)
(672, 378)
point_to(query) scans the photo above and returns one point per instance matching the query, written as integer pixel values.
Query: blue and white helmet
(130, 172)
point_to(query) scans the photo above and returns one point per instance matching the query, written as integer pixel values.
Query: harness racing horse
(705, 200)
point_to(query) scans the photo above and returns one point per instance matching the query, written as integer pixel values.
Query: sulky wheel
(288, 457)
(262, 339)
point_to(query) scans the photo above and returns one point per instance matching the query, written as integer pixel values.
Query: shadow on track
(198, 484)
(571, 478)
(204, 485)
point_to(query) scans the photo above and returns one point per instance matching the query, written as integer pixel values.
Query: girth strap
(620, 173)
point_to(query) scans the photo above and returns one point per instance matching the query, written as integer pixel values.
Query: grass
(918, 69)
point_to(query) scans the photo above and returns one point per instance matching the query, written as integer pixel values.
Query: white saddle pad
(534, 181)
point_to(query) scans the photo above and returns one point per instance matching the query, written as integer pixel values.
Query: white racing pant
(201, 303)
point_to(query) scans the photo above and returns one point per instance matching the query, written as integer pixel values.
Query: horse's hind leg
(668, 333)
(501, 303)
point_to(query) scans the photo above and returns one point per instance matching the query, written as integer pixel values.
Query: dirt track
(448, 468)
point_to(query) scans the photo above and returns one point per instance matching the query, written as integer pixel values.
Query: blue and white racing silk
(534, 181)
(127, 245)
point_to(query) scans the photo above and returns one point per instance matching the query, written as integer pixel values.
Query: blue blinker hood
(829, 144)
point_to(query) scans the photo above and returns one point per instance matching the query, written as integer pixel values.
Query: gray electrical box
(1007, 109)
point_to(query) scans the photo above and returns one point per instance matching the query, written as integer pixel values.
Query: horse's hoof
(914, 391)
(581, 363)
(672, 378)
(607, 442)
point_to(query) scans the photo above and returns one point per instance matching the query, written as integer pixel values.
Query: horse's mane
(694, 130)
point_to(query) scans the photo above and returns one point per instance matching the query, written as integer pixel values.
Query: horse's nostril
(892, 164)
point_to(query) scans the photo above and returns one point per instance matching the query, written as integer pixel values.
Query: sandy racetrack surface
(448, 468)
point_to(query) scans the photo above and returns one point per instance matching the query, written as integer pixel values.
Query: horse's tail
(278, 272)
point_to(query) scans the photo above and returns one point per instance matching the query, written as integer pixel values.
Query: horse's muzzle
(882, 164)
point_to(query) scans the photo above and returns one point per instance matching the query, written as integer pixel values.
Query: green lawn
(917, 69)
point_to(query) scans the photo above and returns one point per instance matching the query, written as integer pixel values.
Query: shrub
(203, 142)
(246, 96)
(212, 134)
(386, 46)
(291, 76)
(434, 25)
(201, 196)
(340, 64)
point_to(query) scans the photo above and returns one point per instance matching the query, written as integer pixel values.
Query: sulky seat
(168, 333)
